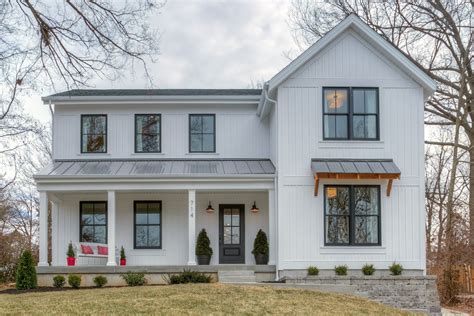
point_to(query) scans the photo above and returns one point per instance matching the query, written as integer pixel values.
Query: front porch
(182, 215)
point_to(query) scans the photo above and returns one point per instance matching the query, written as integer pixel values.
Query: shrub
(70, 251)
(26, 272)
(122, 253)
(59, 281)
(341, 270)
(100, 281)
(188, 276)
(396, 269)
(74, 281)
(313, 270)
(203, 244)
(134, 279)
(368, 269)
(260, 244)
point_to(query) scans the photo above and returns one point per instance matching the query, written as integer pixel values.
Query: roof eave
(254, 99)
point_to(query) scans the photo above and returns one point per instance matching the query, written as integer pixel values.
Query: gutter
(264, 100)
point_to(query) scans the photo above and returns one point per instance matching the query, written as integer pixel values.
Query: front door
(231, 233)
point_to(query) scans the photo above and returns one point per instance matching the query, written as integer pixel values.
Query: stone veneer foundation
(407, 292)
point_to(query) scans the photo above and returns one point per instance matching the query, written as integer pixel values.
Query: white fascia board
(356, 24)
(191, 99)
(173, 177)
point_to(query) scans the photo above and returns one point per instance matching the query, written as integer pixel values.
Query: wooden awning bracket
(389, 177)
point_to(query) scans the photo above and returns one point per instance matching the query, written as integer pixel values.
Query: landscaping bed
(189, 299)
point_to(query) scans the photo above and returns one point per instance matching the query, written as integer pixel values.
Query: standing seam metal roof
(157, 168)
(359, 166)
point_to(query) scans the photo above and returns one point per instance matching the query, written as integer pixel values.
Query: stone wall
(407, 292)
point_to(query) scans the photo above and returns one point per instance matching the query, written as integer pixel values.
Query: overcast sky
(210, 44)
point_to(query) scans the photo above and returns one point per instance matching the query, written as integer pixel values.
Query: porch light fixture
(209, 208)
(254, 208)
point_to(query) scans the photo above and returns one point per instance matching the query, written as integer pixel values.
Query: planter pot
(261, 259)
(123, 262)
(71, 261)
(203, 260)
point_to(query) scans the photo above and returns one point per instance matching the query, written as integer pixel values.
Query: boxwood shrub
(368, 269)
(396, 269)
(74, 281)
(341, 270)
(59, 281)
(134, 279)
(100, 281)
(188, 276)
(312, 270)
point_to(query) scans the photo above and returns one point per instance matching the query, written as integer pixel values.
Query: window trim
(351, 113)
(135, 134)
(135, 202)
(352, 217)
(82, 134)
(189, 133)
(106, 219)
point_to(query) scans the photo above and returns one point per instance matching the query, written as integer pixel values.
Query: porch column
(43, 229)
(111, 228)
(272, 226)
(191, 227)
(54, 233)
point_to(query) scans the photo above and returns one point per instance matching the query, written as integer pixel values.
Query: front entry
(231, 233)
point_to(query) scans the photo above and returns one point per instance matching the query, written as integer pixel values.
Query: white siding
(174, 229)
(349, 61)
(239, 132)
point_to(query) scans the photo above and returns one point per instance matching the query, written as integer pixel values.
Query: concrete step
(241, 276)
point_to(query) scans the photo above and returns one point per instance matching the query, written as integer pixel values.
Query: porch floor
(102, 269)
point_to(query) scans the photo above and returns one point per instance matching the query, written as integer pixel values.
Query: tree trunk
(471, 199)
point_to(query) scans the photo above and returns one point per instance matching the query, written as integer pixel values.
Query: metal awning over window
(354, 169)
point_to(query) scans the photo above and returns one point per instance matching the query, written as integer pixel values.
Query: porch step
(236, 276)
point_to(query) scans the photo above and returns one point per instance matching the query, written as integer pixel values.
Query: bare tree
(65, 43)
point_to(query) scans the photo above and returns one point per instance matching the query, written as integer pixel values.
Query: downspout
(267, 98)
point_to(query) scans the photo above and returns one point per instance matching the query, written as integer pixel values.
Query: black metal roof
(154, 92)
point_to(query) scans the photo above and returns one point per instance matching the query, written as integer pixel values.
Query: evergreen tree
(26, 272)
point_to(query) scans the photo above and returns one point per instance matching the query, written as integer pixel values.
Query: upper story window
(350, 114)
(352, 215)
(202, 133)
(94, 133)
(147, 133)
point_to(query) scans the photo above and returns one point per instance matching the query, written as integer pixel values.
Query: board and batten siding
(174, 225)
(349, 62)
(239, 132)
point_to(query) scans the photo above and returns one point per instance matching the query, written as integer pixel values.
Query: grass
(189, 299)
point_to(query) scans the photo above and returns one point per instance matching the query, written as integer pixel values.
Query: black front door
(231, 233)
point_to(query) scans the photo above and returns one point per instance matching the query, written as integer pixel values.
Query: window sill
(93, 154)
(352, 250)
(351, 143)
(202, 154)
(147, 154)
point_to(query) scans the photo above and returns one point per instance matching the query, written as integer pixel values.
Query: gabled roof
(150, 94)
(353, 22)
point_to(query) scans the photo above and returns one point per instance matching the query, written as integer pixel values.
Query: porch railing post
(43, 229)
(111, 228)
(191, 226)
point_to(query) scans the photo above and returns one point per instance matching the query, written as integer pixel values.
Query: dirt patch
(466, 305)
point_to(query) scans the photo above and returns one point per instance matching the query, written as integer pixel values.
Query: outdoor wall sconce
(254, 208)
(209, 208)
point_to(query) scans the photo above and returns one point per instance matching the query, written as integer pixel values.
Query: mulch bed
(41, 290)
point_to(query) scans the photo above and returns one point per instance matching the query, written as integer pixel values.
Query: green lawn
(189, 299)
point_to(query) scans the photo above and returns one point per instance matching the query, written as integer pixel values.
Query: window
(350, 113)
(202, 133)
(94, 133)
(93, 221)
(352, 215)
(147, 133)
(147, 225)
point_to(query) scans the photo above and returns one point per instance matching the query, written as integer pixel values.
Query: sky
(208, 44)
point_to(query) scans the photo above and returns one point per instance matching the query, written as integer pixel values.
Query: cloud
(212, 44)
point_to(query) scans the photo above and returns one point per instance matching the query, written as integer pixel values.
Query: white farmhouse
(326, 159)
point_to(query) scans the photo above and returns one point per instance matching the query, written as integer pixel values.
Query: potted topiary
(260, 248)
(71, 256)
(203, 248)
(123, 259)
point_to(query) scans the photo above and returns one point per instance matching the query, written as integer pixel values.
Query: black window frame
(106, 220)
(350, 114)
(135, 224)
(136, 134)
(82, 134)
(189, 133)
(352, 216)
